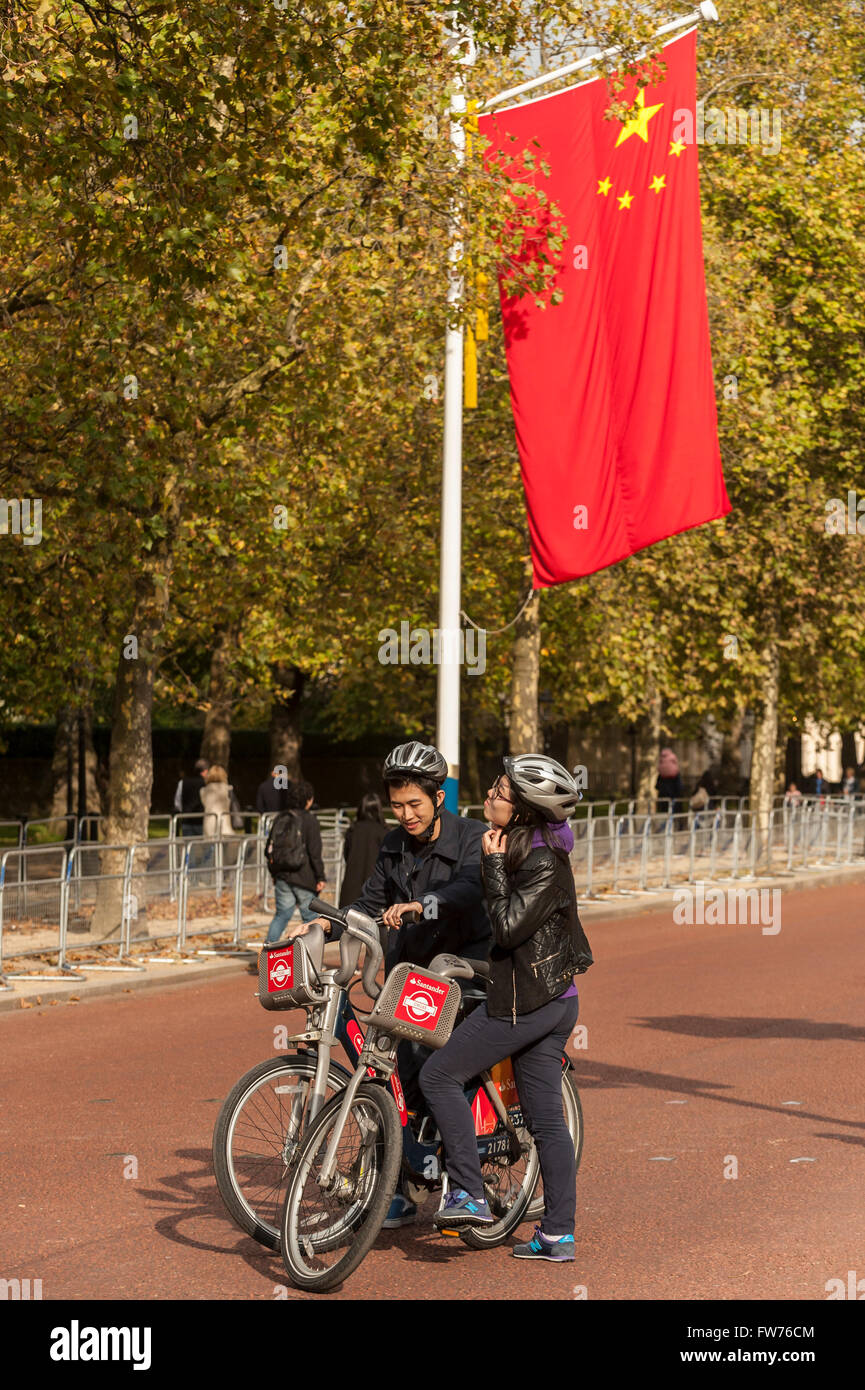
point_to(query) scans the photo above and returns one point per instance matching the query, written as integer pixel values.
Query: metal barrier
(98, 894)
(40, 831)
(12, 833)
(199, 896)
(31, 902)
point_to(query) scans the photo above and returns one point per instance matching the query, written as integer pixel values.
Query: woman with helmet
(428, 872)
(532, 1005)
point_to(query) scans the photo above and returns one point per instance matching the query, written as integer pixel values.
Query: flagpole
(450, 566)
(706, 11)
(448, 722)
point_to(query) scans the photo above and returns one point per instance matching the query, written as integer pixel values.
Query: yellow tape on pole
(470, 371)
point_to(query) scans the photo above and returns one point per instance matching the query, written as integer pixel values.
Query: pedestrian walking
(668, 783)
(294, 858)
(187, 800)
(271, 794)
(216, 798)
(362, 844)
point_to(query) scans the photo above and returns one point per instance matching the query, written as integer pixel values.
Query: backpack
(285, 850)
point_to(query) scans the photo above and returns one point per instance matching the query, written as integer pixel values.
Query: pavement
(720, 1077)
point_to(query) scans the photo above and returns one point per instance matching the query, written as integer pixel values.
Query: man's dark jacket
(269, 797)
(446, 879)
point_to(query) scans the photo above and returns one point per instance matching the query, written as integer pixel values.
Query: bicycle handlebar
(360, 930)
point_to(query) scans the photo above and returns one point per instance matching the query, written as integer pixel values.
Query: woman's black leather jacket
(539, 942)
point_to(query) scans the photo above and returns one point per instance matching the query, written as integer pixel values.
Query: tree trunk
(732, 773)
(848, 751)
(472, 772)
(763, 758)
(131, 757)
(216, 738)
(524, 735)
(649, 746)
(285, 730)
(64, 766)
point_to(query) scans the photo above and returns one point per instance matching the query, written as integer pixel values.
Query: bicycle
(260, 1122)
(257, 1132)
(347, 1162)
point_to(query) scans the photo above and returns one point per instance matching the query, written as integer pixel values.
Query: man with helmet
(531, 1005)
(426, 885)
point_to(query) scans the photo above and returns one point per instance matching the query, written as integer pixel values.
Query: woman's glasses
(496, 794)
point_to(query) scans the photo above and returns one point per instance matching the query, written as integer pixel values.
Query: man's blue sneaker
(402, 1212)
(459, 1209)
(540, 1247)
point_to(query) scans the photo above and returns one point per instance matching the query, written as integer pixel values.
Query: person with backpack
(294, 858)
(531, 1006)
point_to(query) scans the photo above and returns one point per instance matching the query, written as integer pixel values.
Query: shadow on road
(591, 1076)
(191, 1195)
(702, 1026)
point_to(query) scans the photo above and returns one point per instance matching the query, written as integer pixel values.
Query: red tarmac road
(697, 1038)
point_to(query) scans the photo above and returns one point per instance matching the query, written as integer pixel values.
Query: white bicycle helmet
(544, 784)
(419, 758)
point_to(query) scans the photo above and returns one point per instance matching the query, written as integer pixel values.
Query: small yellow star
(676, 146)
(638, 126)
(604, 186)
(658, 182)
(626, 200)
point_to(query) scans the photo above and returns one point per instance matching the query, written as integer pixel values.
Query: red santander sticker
(280, 970)
(421, 1002)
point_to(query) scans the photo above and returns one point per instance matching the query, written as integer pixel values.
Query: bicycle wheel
(574, 1121)
(508, 1188)
(256, 1136)
(326, 1231)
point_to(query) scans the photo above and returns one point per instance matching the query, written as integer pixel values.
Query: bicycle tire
(359, 1227)
(261, 1224)
(574, 1121)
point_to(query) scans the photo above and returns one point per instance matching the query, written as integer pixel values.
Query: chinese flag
(612, 389)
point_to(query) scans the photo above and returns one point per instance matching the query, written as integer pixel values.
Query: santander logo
(421, 1002)
(420, 1006)
(280, 970)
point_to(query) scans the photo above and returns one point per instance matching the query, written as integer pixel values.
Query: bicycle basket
(287, 978)
(416, 1004)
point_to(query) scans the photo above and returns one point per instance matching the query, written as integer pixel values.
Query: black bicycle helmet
(544, 784)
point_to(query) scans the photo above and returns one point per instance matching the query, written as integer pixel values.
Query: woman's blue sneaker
(540, 1247)
(460, 1209)
(402, 1212)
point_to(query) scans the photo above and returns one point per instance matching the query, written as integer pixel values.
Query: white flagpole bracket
(705, 11)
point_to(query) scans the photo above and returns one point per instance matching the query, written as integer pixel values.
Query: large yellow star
(638, 126)
(604, 186)
(625, 200)
(658, 182)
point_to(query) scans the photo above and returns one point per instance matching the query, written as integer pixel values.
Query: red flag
(612, 389)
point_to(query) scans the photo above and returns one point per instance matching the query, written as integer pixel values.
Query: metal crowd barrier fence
(117, 899)
(31, 902)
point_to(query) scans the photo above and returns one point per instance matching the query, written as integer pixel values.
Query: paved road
(697, 1036)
